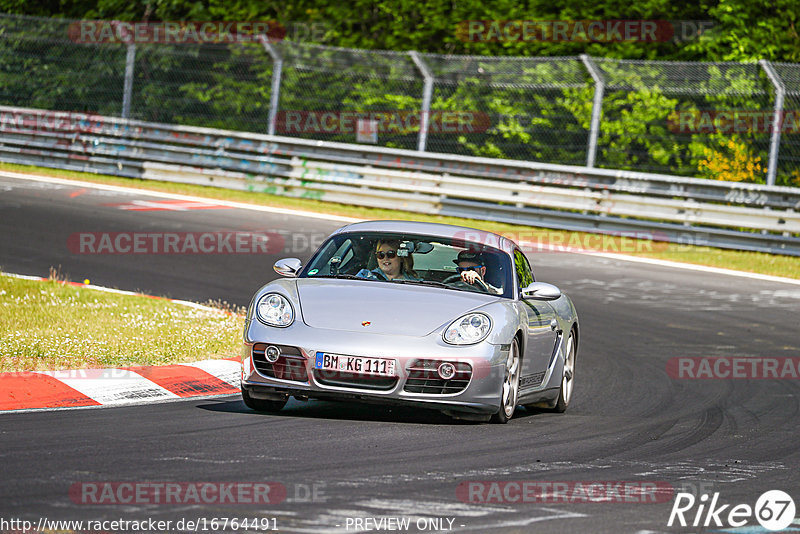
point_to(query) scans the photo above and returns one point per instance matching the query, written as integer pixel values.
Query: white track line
(338, 218)
(145, 192)
(115, 291)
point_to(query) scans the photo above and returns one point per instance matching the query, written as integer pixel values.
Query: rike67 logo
(774, 510)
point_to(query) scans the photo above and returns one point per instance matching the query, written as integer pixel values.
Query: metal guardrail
(668, 208)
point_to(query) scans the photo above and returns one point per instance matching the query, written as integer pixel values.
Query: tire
(510, 391)
(567, 377)
(262, 405)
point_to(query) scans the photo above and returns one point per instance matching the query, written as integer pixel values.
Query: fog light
(272, 354)
(446, 370)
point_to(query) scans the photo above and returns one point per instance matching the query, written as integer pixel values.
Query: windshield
(413, 259)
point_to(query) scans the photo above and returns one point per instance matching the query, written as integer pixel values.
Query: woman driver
(391, 266)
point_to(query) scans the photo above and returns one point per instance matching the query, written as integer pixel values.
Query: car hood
(389, 308)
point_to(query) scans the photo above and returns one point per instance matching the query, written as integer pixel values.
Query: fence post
(127, 90)
(427, 91)
(597, 108)
(777, 122)
(275, 91)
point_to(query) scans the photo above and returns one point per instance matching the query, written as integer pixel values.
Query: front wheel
(567, 377)
(262, 405)
(510, 391)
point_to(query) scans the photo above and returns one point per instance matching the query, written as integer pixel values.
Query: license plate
(354, 364)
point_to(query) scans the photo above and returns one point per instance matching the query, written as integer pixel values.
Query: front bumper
(480, 395)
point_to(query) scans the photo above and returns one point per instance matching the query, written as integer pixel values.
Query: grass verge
(49, 325)
(755, 262)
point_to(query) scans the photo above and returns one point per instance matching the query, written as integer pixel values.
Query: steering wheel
(456, 280)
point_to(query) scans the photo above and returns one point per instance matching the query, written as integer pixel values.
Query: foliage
(740, 29)
(540, 112)
(733, 162)
(52, 325)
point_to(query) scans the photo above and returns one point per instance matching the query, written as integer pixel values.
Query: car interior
(433, 260)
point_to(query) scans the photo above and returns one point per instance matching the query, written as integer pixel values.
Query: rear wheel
(262, 405)
(510, 391)
(567, 377)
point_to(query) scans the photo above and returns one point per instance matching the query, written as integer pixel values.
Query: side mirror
(288, 266)
(541, 291)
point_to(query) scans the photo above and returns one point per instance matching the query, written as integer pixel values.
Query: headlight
(471, 328)
(275, 310)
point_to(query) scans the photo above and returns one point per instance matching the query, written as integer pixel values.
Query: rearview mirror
(288, 266)
(419, 247)
(541, 291)
(423, 247)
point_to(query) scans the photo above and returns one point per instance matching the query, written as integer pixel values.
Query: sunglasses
(464, 269)
(391, 254)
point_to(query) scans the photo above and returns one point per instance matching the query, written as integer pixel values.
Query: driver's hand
(470, 277)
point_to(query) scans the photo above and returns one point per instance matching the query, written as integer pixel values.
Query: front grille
(423, 378)
(354, 380)
(290, 365)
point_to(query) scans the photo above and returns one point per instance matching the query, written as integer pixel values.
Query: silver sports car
(428, 315)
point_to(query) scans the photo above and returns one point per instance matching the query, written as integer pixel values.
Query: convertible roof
(433, 229)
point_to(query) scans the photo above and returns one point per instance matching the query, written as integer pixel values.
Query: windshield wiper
(341, 275)
(425, 283)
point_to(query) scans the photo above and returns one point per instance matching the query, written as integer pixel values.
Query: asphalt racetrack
(630, 422)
